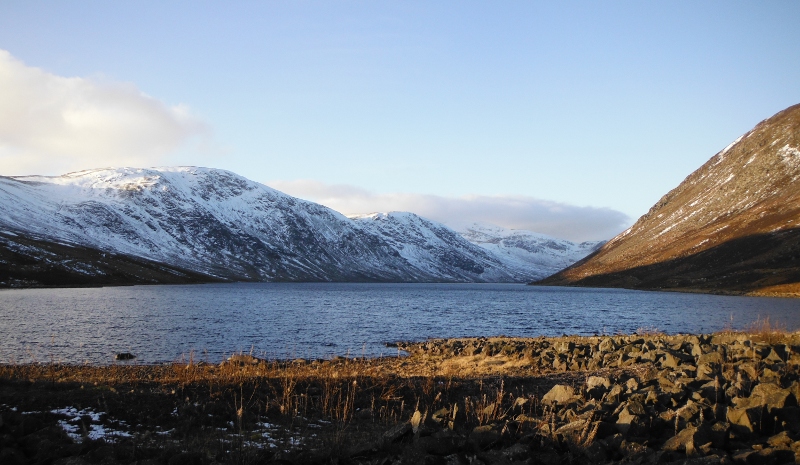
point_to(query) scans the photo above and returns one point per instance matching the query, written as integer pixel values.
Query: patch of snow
(95, 430)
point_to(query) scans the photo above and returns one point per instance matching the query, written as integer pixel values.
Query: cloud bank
(51, 124)
(515, 212)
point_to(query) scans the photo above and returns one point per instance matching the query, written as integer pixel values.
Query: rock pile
(704, 399)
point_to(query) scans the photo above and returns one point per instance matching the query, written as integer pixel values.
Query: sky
(567, 118)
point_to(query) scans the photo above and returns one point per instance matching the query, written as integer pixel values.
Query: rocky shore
(729, 398)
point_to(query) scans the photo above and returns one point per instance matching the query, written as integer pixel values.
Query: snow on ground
(88, 423)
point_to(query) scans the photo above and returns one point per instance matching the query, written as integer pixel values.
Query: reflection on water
(289, 320)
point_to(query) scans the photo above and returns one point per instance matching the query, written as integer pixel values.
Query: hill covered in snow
(189, 224)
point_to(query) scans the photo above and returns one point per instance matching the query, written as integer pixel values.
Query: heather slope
(737, 211)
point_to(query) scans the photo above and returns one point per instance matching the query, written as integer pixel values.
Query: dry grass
(761, 329)
(354, 399)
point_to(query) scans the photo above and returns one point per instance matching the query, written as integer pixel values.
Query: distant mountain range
(732, 226)
(188, 224)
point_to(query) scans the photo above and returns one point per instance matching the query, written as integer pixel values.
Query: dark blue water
(281, 320)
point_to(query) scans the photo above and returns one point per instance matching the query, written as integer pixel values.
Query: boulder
(518, 451)
(597, 381)
(746, 421)
(574, 432)
(781, 439)
(596, 453)
(607, 345)
(484, 437)
(559, 394)
(396, 433)
(713, 359)
(688, 439)
(773, 396)
(632, 420)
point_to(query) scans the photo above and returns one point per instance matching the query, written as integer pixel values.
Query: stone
(669, 361)
(767, 456)
(705, 371)
(518, 451)
(607, 345)
(631, 420)
(713, 359)
(719, 434)
(614, 393)
(598, 381)
(243, 359)
(743, 421)
(396, 433)
(631, 385)
(712, 459)
(416, 418)
(572, 432)
(688, 439)
(633, 450)
(773, 396)
(596, 453)
(559, 394)
(483, 437)
(780, 439)
(564, 347)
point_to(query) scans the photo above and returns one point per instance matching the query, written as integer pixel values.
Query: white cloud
(515, 212)
(51, 124)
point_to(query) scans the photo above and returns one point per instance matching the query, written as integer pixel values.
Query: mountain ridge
(214, 223)
(749, 189)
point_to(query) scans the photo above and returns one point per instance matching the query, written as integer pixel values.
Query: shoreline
(789, 291)
(728, 397)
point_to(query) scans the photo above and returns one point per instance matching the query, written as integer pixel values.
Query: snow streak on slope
(538, 253)
(522, 256)
(222, 225)
(433, 247)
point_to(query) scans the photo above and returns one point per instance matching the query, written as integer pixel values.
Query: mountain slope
(728, 227)
(199, 224)
(534, 254)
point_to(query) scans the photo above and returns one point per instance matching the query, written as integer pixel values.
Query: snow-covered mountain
(190, 223)
(435, 248)
(537, 254)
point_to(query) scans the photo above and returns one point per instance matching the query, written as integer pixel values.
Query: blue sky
(588, 110)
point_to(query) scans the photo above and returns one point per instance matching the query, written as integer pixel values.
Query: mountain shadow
(760, 264)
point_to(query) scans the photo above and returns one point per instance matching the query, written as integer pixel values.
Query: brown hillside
(728, 227)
